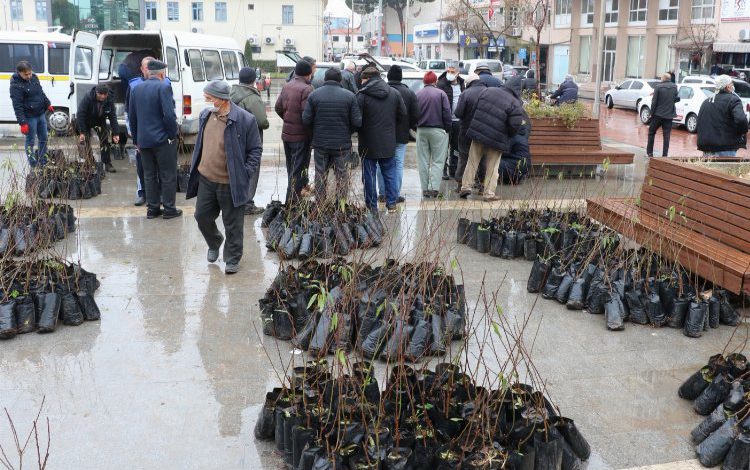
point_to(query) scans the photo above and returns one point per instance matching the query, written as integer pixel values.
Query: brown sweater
(213, 165)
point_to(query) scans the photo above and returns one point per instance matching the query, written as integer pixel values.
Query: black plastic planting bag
(738, 456)
(398, 458)
(712, 396)
(696, 317)
(398, 342)
(272, 209)
(342, 245)
(529, 248)
(455, 323)
(321, 338)
(462, 231)
(598, 298)
(51, 304)
(574, 438)
(4, 239)
(735, 398)
(303, 336)
(437, 334)
(654, 310)
(88, 306)
(564, 289)
(554, 279)
(577, 295)
(667, 295)
(19, 237)
(483, 239)
(375, 341)
(615, 314)
(695, 384)
(714, 312)
(471, 239)
(71, 311)
(708, 425)
(496, 243)
(570, 460)
(727, 314)
(548, 453)
(537, 276)
(715, 447)
(363, 240)
(25, 315)
(520, 241)
(306, 246)
(8, 327)
(420, 341)
(264, 427)
(680, 308)
(282, 323)
(509, 244)
(301, 437)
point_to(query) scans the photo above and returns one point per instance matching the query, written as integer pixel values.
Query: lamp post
(599, 56)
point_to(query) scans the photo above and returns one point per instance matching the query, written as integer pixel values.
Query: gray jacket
(348, 81)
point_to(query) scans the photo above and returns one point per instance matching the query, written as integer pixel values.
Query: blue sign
(522, 53)
(424, 33)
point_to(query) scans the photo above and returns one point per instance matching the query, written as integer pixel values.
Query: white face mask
(450, 76)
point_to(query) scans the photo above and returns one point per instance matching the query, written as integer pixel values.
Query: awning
(738, 47)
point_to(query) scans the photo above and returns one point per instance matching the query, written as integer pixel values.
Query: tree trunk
(538, 74)
(404, 39)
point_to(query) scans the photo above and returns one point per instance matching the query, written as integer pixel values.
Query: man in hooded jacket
(452, 85)
(465, 112)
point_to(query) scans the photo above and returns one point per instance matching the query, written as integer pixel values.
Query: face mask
(211, 106)
(450, 76)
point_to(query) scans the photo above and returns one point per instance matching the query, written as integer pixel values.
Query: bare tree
(474, 22)
(699, 37)
(535, 14)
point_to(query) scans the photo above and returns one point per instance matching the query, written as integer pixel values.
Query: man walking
(289, 106)
(153, 124)
(662, 113)
(30, 104)
(722, 125)
(465, 112)
(382, 111)
(96, 107)
(247, 97)
(452, 85)
(225, 161)
(332, 113)
(432, 134)
(496, 119)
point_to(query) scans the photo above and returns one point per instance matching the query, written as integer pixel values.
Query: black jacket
(722, 124)
(332, 113)
(93, 114)
(662, 103)
(490, 80)
(529, 84)
(515, 83)
(566, 93)
(382, 111)
(412, 112)
(498, 117)
(446, 86)
(28, 97)
(467, 104)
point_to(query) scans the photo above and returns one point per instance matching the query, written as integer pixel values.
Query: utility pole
(405, 52)
(380, 29)
(598, 66)
(351, 29)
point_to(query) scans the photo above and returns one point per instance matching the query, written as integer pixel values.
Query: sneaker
(391, 209)
(212, 255)
(252, 209)
(110, 168)
(231, 268)
(153, 214)
(172, 215)
(139, 201)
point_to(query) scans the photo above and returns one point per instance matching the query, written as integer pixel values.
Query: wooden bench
(690, 214)
(712, 159)
(551, 143)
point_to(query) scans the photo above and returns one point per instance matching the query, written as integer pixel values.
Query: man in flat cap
(96, 108)
(225, 160)
(153, 125)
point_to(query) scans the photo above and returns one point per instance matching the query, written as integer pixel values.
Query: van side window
(243, 61)
(173, 65)
(231, 68)
(59, 58)
(196, 65)
(84, 62)
(12, 54)
(105, 60)
(213, 65)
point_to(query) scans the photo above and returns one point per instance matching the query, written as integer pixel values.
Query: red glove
(24, 129)
(51, 109)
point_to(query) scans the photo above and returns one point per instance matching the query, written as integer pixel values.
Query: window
(336, 39)
(584, 64)
(84, 61)
(151, 11)
(626, 85)
(587, 12)
(742, 89)
(41, 10)
(16, 10)
(703, 9)
(59, 58)
(229, 59)
(636, 86)
(12, 54)
(709, 92)
(197, 11)
(250, 6)
(173, 65)
(610, 53)
(611, 15)
(212, 63)
(562, 12)
(360, 39)
(636, 56)
(287, 14)
(668, 10)
(105, 60)
(243, 61)
(638, 10)
(173, 11)
(221, 12)
(685, 93)
(664, 54)
(196, 65)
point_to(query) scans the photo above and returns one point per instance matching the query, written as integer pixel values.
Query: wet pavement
(175, 372)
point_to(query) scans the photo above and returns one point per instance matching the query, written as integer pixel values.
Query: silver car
(629, 93)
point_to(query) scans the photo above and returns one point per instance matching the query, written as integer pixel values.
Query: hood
(476, 83)
(396, 84)
(241, 91)
(376, 88)
(17, 78)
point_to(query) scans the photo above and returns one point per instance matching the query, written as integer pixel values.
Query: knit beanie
(395, 74)
(370, 72)
(247, 75)
(430, 78)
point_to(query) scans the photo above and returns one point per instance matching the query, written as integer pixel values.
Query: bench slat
(705, 176)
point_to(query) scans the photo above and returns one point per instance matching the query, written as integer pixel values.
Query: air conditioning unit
(253, 40)
(289, 41)
(197, 30)
(745, 35)
(269, 40)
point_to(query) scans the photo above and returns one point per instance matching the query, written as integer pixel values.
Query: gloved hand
(50, 109)
(24, 129)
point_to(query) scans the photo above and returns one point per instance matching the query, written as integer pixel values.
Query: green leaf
(334, 321)
(496, 327)
(341, 356)
(14, 294)
(312, 301)
(454, 263)
(499, 311)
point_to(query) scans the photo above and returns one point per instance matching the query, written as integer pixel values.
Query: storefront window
(96, 15)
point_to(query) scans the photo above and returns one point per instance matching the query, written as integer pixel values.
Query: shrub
(569, 113)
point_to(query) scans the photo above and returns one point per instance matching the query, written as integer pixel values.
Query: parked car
(436, 65)
(320, 71)
(509, 69)
(629, 93)
(386, 62)
(413, 80)
(470, 65)
(700, 79)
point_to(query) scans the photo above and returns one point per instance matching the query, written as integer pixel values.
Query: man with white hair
(567, 92)
(722, 124)
(662, 113)
(347, 77)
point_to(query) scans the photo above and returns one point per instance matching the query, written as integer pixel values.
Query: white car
(698, 79)
(629, 93)
(387, 62)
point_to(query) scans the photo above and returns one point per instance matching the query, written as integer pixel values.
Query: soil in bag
(375, 341)
(420, 341)
(438, 338)
(654, 310)
(708, 425)
(714, 448)
(598, 298)
(727, 314)
(614, 312)
(398, 341)
(537, 276)
(25, 315)
(520, 242)
(570, 460)
(548, 451)
(712, 396)
(680, 308)
(51, 304)
(564, 290)
(695, 319)
(695, 384)
(320, 340)
(306, 246)
(483, 239)
(471, 239)
(577, 295)
(529, 248)
(264, 427)
(738, 457)
(303, 336)
(71, 311)
(554, 279)
(272, 209)
(8, 326)
(282, 323)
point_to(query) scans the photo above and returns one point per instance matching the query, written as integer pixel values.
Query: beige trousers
(492, 162)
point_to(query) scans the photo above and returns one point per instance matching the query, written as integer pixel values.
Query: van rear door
(171, 56)
(84, 67)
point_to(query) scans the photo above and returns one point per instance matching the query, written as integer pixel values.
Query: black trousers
(160, 168)
(102, 132)
(212, 199)
(325, 159)
(666, 129)
(451, 163)
(297, 164)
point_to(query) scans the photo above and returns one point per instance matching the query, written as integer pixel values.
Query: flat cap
(154, 65)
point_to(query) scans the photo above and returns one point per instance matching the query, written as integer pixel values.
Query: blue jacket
(153, 121)
(566, 93)
(243, 149)
(28, 97)
(490, 80)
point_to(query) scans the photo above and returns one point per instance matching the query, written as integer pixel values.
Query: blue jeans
(37, 128)
(399, 157)
(369, 178)
(723, 153)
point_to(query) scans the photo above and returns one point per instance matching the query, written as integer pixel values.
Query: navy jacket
(153, 121)
(333, 114)
(382, 111)
(566, 93)
(87, 113)
(28, 97)
(467, 104)
(490, 80)
(498, 117)
(243, 149)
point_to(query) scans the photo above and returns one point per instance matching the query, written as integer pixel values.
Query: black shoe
(391, 209)
(231, 268)
(139, 201)
(153, 214)
(110, 168)
(381, 198)
(446, 177)
(400, 200)
(427, 194)
(252, 209)
(172, 215)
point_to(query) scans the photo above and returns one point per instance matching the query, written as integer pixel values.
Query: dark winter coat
(515, 83)
(289, 107)
(567, 92)
(89, 115)
(467, 104)
(722, 124)
(348, 81)
(447, 87)
(529, 84)
(662, 103)
(243, 151)
(498, 117)
(412, 112)
(490, 80)
(28, 97)
(247, 97)
(434, 108)
(152, 117)
(332, 113)
(382, 111)
(515, 164)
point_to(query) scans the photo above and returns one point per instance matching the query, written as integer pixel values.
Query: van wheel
(59, 122)
(691, 123)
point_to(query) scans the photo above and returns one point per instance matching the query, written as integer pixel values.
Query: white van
(192, 60)
(48, 54)
(470, 65)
